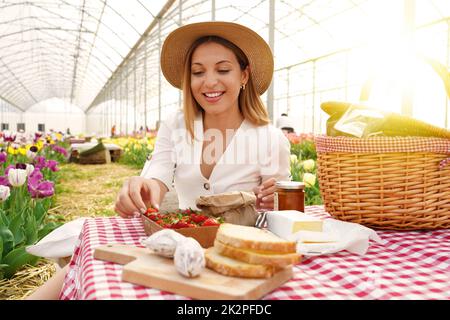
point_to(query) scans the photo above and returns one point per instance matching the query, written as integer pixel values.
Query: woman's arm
(149, 189)
(276, 169)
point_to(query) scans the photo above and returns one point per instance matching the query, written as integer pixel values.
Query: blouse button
(206, 186)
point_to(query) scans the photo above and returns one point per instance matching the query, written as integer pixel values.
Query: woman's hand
(136, 195)
(265, 194)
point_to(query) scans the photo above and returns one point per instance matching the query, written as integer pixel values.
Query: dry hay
(89, 190)
(25, 281)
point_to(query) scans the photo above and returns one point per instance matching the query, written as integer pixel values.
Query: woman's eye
(224, 71)
(197, 73)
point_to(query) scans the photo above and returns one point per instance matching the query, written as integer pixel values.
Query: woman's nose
(210, 80)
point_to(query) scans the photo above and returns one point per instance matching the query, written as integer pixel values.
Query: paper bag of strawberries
(237, 207)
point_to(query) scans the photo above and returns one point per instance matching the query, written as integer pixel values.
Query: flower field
(29, 168)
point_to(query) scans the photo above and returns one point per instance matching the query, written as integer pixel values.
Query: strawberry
(153, 216)
(180, 224)
(210, 222)
(198, 218)
(151, 210)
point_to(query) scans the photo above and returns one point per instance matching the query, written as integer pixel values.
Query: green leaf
(49, 227)
(8, 240)
(1, 248)
(31, 230)
(16, 227)
(4, 221)
(16, 259)
(39, 212)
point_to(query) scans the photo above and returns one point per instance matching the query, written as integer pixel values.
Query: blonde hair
(250, 103)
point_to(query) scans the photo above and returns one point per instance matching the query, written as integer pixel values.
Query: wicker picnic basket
(388, 182)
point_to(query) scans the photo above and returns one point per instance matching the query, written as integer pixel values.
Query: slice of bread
(267, 258)
(252, 238)
(235, 268)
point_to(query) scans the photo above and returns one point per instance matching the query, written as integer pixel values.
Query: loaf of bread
(252, 238)
(249, 252)
(235, 268)
(267, 258)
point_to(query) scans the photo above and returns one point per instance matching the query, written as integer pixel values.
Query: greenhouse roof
(68, 48)
(72, 49)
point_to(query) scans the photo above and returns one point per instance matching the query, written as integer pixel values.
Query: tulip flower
(309, 165)
(4, 181)
(11, 166)
(40, 189)
(29, 169)
(4, 192)
(309, 179)
(60, 150)
(20, 165)
(39, 162)
(32, 152)
(8, 137)
(294, 159)
(17, 177)
(52, 165)
(36, 175)
(2, 157)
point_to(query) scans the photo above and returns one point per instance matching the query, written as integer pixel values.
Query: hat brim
(178, 43)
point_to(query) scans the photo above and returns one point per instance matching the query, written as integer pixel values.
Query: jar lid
(290, 185)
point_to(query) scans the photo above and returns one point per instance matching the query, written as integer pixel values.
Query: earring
(243, 86)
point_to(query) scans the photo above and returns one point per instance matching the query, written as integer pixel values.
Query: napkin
(349, 236)
(60, 242)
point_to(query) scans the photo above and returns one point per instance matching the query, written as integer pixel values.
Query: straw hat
(178, 43)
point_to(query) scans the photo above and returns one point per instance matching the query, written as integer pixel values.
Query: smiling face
(216, 78)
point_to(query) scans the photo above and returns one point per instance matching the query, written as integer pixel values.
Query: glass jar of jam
(289, 195)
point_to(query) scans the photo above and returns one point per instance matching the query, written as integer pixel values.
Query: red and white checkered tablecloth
(409, 265)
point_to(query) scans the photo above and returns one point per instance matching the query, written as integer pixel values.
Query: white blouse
(253, 155)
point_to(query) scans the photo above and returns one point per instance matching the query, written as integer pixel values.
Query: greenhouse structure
(359, 90)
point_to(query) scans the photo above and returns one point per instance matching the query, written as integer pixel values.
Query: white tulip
(309, 165)
(294, 158)
(29, 169)
(17, 177)
(309, 179)
(4, 192)
(31, 155)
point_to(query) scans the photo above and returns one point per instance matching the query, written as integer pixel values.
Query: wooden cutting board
(147, 269)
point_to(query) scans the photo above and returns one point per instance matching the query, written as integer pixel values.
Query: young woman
(222, 140)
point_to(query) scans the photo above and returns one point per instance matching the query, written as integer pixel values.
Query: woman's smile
(214, 96)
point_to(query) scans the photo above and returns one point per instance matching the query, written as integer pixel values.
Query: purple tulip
(36, 175)
(39, 189)
(2, 157)
(11, 166)
(37, 136)
(52, 165)
(4, 181)
(9, 138)
(39, 162)
(60, 150)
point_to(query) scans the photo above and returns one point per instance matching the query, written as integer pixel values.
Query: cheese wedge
(287, 222)
(316, 237)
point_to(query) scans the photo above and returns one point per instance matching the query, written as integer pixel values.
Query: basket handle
(438, 67)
